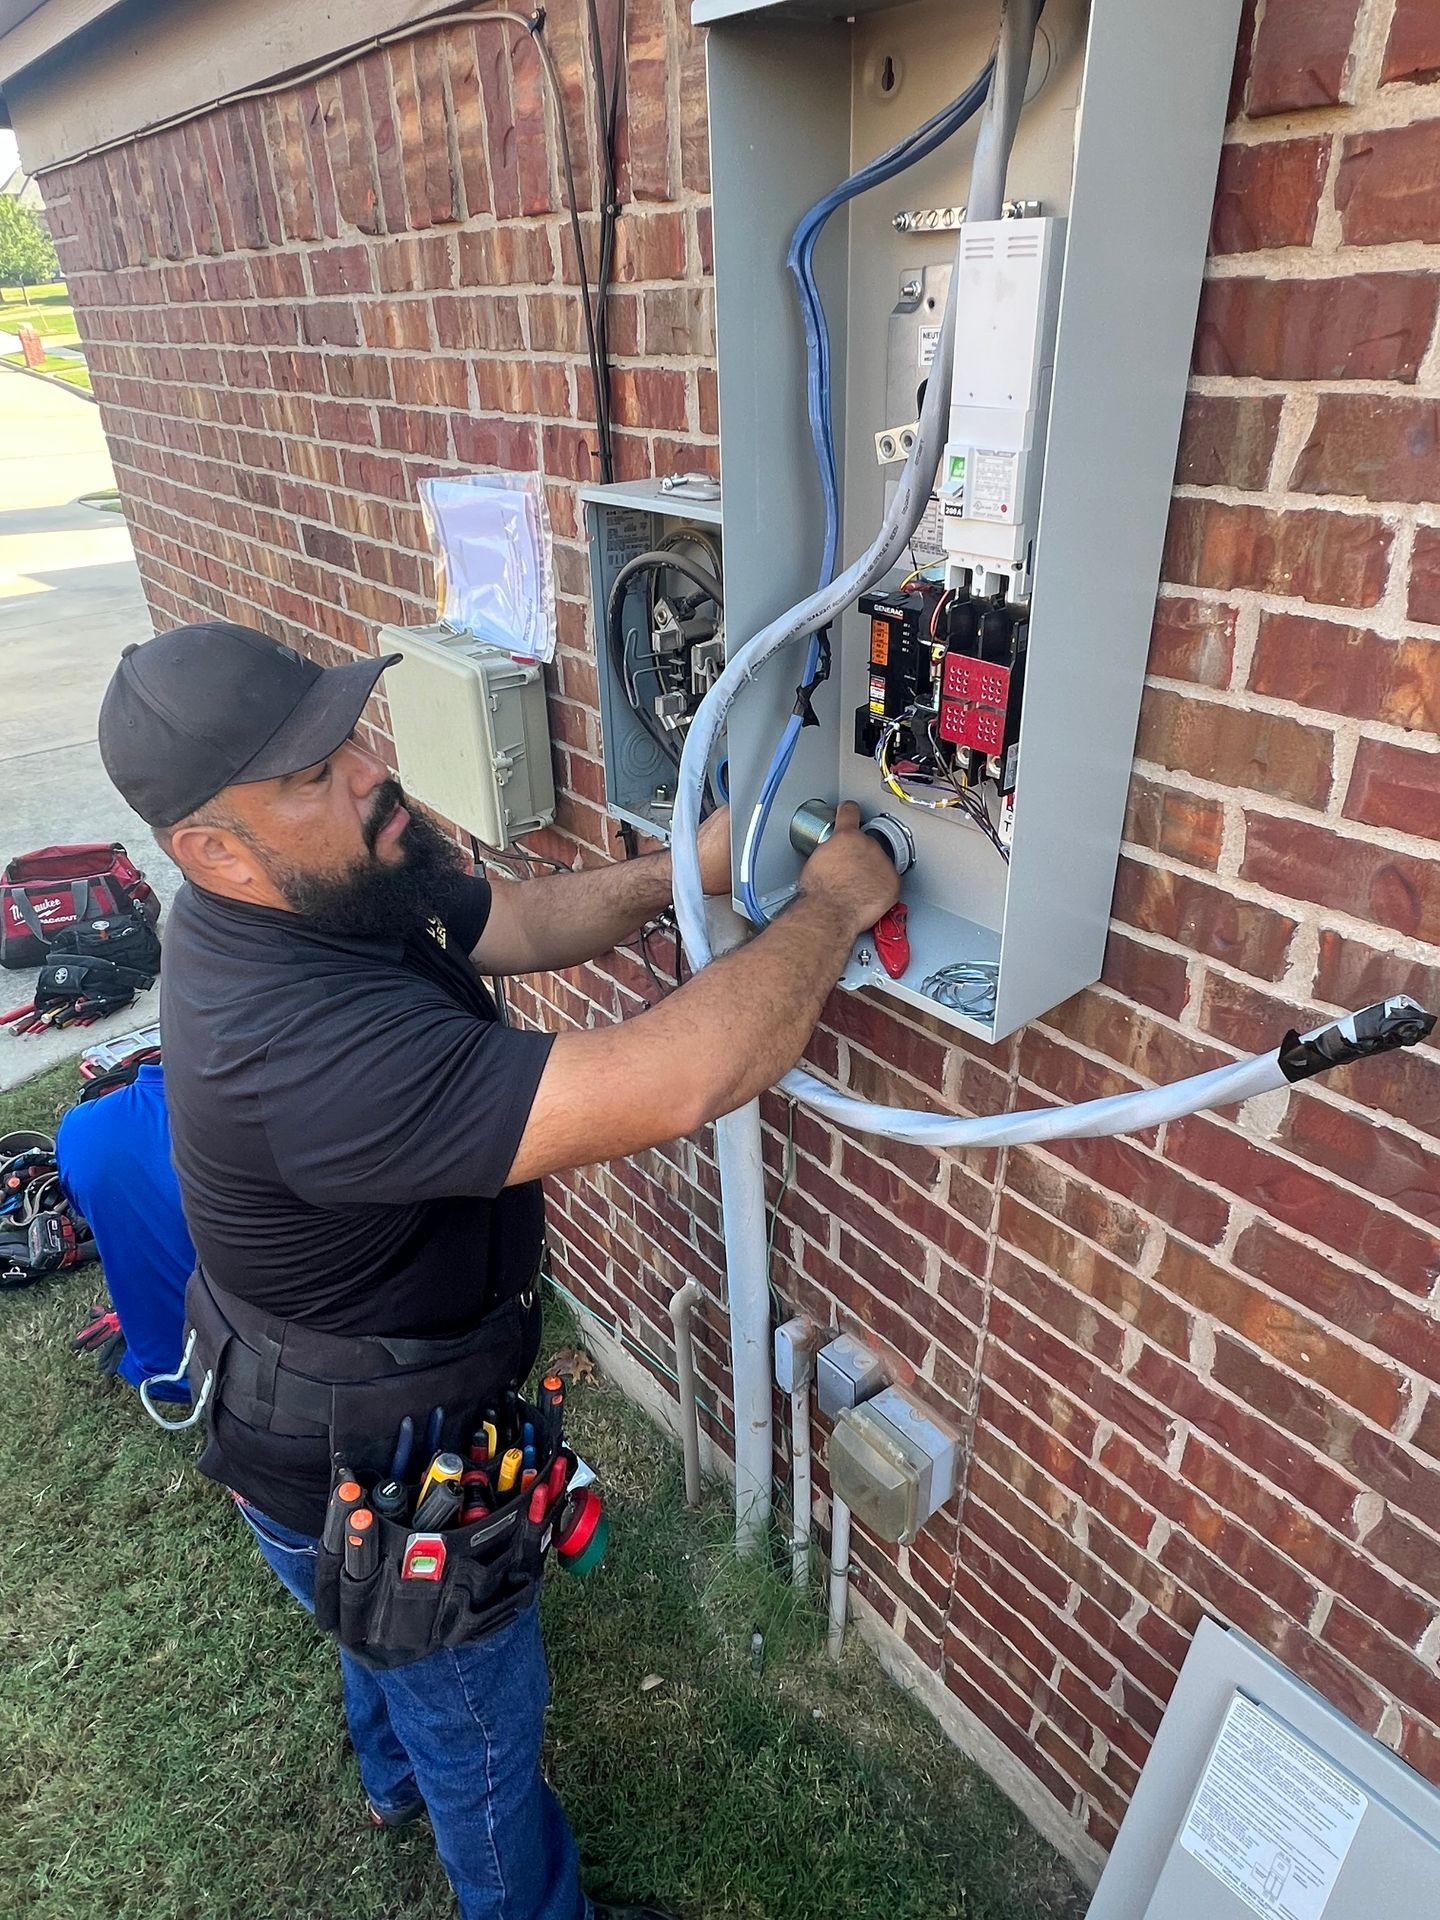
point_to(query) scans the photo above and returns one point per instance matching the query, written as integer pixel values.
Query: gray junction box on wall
(1062, 447)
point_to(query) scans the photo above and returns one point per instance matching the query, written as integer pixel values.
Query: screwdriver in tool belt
(362, 1544)
(348, 1493)
(439, 1500)
(510, 1471)
(552, 1412)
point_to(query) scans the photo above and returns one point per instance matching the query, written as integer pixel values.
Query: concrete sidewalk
(70, 599)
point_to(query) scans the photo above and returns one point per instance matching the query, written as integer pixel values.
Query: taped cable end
(1396, 1022)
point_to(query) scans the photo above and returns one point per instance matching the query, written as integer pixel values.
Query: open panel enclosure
(659, 636)
(1010, 673)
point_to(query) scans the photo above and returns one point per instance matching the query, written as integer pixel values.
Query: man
(360, 1140)
(114, 1159)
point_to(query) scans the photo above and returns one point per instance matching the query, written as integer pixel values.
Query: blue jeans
(461, 1731)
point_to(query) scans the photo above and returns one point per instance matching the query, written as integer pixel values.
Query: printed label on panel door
(1271, 1818)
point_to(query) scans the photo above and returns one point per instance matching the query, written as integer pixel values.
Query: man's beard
(373, 899)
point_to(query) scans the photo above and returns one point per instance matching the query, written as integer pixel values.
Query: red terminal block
(974, 696)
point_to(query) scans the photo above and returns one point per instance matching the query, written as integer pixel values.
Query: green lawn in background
(47, 309)
(74, 373)
(170, 1726)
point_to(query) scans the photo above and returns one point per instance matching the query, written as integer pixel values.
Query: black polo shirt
(344, 1114)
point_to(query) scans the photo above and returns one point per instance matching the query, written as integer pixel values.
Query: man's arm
(721, 1038)
(566, 919)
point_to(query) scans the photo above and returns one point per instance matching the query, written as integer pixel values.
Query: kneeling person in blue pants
(360, 1138)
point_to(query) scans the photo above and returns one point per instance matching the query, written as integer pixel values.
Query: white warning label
(929, 341)
(1271, 1818)
(990, 486)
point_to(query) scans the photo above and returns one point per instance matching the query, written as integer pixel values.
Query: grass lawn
(170, 1727)
(74, 373)
(47, 309)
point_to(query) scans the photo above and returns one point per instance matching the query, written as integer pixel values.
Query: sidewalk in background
(70, 600)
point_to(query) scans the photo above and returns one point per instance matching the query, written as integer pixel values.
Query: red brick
(1268, 195)
(1413, 50)
(332, 324)
(1083, 1270)
(1148, 974)
(1193, 640)
(1398, 1669)
(1299, 1198)
(1388, 186)
(1105, 1025)
(1356, 1147)
(389, 164)
(1084, 1208)
(1302, 56)
(648, 71)
(1424, 601)
(1379, 448)
(1348, 670)
(1379, 884)
(649, 397)
(1362, 327)
(1420, 1745)
(1336, 559)
(1150, 1184)
(1395, 787)
(1351, 974)
(1285, 1527)
(1208, 919)
(1264, 752)
(1227, 440)
(1368, 1311)
(1183, 826)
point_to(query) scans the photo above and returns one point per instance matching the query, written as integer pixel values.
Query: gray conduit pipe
(742, 1201)
(682, 1306)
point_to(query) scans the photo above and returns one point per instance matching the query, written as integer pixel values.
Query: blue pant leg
(385, 1769)
(472, 1719)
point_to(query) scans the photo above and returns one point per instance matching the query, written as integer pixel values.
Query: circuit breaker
(657, 592)
(986, 692)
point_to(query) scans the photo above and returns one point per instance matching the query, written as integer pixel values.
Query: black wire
(606, 120)
(598, 381)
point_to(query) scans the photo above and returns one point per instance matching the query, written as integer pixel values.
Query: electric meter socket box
(846, 1372)
(893, 1463)
(622, 521)
(472, 737)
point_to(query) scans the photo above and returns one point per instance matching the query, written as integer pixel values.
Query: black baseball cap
(216, 705)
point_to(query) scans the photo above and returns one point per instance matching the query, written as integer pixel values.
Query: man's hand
(713, 840)
(853, 872)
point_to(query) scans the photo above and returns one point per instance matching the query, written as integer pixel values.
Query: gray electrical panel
(1080, 325)
(1259, 1798)
(657, 658)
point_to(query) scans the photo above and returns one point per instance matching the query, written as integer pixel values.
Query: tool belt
(419, 1592)
(355, 1392)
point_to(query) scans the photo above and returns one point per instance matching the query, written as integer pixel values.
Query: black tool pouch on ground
(493, 1570)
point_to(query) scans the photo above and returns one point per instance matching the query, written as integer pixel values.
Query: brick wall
(1201, 1368)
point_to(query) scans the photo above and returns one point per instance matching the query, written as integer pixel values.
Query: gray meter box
(1118, 148)
(1260, 1799)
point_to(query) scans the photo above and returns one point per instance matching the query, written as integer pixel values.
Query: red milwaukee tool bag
(44, 892)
